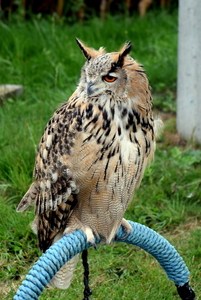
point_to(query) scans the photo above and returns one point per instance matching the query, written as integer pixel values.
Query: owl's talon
(126, 228)
(125, 236)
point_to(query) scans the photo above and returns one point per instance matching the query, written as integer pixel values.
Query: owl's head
(105, 73)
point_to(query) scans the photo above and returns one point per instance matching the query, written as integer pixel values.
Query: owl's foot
(76, 224)
(90, 236)
(126, 227)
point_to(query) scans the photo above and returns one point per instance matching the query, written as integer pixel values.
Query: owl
(93, 153)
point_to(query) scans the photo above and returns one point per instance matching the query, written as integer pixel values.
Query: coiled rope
(70, 245)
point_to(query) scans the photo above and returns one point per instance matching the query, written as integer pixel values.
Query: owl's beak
(91, 90)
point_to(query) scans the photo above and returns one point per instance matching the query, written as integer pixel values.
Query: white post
(189, 70)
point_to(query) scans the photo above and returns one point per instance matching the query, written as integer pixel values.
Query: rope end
(185, 292)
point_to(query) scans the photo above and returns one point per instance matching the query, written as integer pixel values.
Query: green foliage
(170, 190)
(17, 241)
(42, 56)
(41, 53)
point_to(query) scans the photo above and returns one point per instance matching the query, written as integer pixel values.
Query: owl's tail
(63, 277)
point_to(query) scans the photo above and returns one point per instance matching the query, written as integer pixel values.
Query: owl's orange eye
(109, 78)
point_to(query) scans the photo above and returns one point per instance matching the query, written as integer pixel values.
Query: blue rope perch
(70, 245)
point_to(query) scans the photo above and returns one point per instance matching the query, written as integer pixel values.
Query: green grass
(41, 54)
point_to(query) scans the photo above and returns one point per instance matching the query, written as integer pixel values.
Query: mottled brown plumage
(93, 152)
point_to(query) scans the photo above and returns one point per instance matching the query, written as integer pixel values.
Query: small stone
(10, 90)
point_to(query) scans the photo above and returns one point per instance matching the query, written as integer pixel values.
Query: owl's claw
(127, 229)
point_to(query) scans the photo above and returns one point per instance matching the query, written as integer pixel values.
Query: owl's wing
(54, 190)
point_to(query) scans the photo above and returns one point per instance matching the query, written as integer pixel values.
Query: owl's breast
(111, 151)
(106, 177)
(114, 164)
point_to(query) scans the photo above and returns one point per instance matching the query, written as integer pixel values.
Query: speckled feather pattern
(94, 150)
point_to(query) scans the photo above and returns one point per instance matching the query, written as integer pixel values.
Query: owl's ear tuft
(84, 49)
(89, 52)
(123, 52)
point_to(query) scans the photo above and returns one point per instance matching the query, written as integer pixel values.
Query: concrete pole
(189, 70)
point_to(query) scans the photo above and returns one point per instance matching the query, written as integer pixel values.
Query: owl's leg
(87, 291)
(75, 224)
(126, 227)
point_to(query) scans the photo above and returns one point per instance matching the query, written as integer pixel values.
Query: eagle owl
(93, 153)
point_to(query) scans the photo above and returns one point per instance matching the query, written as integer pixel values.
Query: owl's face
(103, 73)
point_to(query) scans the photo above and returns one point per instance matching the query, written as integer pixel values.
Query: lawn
(41, 54)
